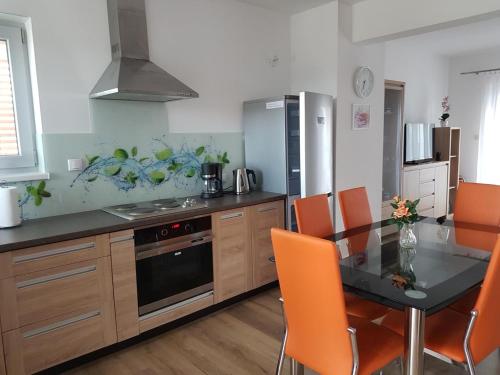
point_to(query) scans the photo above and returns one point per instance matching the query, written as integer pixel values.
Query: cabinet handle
(122, 238)
(295, 170)
(56, 276)
(265, 209)
(49, 253)
(231, 216)
(60, 324)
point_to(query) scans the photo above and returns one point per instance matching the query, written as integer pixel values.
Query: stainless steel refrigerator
(289, 142)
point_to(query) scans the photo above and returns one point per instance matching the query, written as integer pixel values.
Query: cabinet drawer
(45, 344)
(427, 174)
(53, 255)
(426, 189)
(426, 203)
(232, 256)
(38, 296)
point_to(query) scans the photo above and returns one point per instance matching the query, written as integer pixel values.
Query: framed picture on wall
(360, 116)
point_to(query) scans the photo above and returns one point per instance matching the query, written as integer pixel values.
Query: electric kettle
(241, 180)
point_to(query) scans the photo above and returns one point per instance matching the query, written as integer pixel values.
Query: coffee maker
(211, 174)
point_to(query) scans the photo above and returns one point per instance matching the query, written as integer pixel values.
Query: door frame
(400, 86)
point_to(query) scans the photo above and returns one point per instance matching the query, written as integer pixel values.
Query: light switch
(75, 165)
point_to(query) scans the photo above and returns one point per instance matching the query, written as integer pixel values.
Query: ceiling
(291, 6)
(458, 40)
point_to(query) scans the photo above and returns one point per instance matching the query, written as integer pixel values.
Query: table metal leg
(414, 341)
(296, 368)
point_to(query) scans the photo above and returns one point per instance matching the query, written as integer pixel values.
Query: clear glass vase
(407, 239)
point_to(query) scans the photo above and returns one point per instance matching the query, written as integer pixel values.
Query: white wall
(378, 19)
(359, 153)
(465, 103)
(324, 60)
(426, 76)
(221, 48)
(314, 50)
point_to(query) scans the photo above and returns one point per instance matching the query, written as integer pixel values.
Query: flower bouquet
(404, 216)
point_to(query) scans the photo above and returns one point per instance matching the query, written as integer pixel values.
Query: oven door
(173, 271)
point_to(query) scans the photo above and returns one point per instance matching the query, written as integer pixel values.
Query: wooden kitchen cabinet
(56, 304)
(231, 253)
(124, 284)
(44, 344)
(38, 296)
(263, 217)
(42, 257)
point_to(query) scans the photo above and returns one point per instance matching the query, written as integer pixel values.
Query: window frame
(26, 161)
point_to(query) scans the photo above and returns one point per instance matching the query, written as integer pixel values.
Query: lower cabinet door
(441, 199)
(264, 217)
(38, 346)
(231, 253)
(38, 296)
(57, 314)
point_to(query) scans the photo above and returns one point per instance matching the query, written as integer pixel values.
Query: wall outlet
(76, 165)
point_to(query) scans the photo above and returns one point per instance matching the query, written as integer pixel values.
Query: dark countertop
(82, 224)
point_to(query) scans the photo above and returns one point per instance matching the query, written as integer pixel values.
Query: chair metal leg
(471, 368)
(281, 359)
(279, 367)
(355, 353)
(296, 368)
(414, 341)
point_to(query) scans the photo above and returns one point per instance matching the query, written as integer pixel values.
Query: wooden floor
(242, 339)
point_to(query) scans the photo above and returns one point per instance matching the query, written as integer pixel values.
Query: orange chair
(355, 208)
(318, 332)
(476, 204)
(313, 218)
(462, 338)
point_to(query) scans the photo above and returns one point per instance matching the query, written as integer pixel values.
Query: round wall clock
(363, 81)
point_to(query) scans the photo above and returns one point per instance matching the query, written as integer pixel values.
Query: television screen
(418, 143)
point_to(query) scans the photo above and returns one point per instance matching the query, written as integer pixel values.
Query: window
(17, 145)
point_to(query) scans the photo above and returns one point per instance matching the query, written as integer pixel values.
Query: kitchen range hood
(131, 75)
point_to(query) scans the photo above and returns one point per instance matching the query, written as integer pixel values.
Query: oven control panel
(172, 230)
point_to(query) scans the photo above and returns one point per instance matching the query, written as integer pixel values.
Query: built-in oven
(174, 264)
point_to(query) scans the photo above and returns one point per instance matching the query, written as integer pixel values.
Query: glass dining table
(449, 260)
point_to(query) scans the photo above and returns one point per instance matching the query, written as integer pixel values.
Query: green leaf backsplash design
(157, 177)
(120, 154)
(164, 154)
(36, 193)
(127, 171)
(112, 170)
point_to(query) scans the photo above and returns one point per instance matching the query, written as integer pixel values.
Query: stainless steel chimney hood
(131, 75)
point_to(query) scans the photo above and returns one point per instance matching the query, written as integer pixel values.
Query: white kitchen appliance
(10, 212)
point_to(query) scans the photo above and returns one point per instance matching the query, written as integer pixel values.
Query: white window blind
(17, 145)
(8, 125)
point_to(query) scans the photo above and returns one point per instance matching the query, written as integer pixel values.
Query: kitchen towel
(10, 212)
